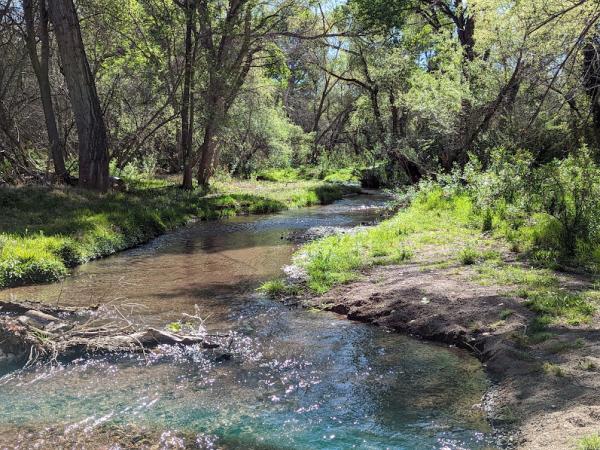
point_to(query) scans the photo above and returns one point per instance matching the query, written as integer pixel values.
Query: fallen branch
(44, 332)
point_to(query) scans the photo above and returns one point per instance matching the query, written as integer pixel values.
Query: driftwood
(43, 332)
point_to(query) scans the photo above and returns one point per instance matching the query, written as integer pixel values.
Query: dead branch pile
(43, 332)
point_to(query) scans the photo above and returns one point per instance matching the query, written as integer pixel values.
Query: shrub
(278, 175)
(550, 210)
(347, 175)
(571, 194)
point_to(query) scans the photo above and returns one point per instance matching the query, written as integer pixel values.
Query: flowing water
(297, 379)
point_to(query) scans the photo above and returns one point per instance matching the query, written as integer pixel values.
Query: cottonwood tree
(233, 36)
(91, 130)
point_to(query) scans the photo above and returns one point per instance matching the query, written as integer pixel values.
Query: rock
(41, 317)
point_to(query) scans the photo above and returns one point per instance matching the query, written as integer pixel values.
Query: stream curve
(297, 379)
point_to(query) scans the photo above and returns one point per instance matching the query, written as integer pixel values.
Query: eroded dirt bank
(547, 393)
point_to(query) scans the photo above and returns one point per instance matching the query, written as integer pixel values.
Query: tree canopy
(199, 86)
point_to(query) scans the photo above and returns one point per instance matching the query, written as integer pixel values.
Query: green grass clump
(34, 260)
(468, 256)
(495, 272)
(279, 288)
(589, 443)
(555, 306)
(44, 232)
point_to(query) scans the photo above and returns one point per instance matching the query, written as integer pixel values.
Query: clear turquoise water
(296, 380)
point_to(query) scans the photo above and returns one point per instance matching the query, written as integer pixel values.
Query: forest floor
(46, 231)
(536, 330)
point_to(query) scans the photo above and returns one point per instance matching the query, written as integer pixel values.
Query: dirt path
(547, 392)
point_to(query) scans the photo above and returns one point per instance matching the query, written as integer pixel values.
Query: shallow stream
(297, 379)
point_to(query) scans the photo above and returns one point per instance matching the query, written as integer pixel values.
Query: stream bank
(546, 378)
(45, 232)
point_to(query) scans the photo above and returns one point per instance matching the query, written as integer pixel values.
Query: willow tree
(91, 130)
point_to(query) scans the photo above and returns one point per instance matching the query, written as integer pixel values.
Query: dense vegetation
(491, 103)
(123, 119)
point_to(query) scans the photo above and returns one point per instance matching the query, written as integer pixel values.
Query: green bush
(551, 211)
(468, 256)
(347, 175)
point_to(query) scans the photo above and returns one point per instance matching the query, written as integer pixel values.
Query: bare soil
(544, 408)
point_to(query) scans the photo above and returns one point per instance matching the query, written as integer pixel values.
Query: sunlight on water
(293, 379)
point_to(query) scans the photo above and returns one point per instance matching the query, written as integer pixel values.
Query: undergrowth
(589, 442)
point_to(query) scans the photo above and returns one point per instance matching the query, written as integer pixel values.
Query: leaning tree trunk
(93, 142)
(208, 155)
(40, 67)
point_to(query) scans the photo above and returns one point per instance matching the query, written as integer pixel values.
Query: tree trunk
(186, 112)
(209, 151)
(591, 80)
(40, 68)
(91, 130)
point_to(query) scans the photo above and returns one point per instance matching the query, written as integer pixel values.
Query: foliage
(468, 256)
(551, 210)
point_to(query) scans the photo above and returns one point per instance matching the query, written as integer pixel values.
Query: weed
(587, 365)
(563, 346)
(468, 256)
(553, 369)
(589, 442)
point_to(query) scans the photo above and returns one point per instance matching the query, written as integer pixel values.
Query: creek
(297, 379)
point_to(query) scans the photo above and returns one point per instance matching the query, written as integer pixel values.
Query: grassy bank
(44, 232)
(441, 231)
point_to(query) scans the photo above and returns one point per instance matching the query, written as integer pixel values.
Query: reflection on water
(297, 379)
